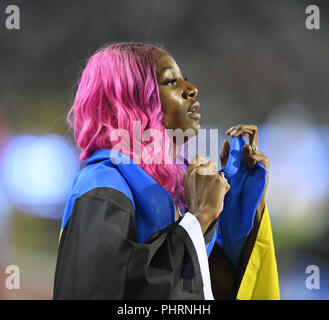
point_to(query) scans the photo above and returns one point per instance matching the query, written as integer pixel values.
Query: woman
(136, 225)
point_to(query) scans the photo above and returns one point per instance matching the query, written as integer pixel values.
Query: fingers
(245, 129)
(202, 166)
(196, 162)
(245, 137)
(223, 181)
(250, 159)
(262, 158)
(224, 153)
(209, 168)
(247, 156)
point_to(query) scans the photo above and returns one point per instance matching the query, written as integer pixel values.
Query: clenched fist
(205, 190)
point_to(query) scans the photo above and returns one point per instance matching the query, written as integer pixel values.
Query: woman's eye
(171, 81)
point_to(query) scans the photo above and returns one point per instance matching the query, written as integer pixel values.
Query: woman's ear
(224, 153)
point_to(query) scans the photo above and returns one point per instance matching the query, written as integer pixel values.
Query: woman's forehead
(165, 61)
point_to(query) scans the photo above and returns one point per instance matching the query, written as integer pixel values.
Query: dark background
(253, 62)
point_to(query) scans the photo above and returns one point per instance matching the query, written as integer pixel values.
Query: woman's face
(177, 96)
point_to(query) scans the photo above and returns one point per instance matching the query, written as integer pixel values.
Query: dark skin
(204, 188)
(176, 94)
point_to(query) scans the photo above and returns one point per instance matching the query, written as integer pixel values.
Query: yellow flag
(260, 280)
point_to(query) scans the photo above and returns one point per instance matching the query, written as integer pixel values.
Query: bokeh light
(38, 172)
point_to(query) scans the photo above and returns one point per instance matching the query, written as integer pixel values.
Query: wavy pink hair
(119, 86)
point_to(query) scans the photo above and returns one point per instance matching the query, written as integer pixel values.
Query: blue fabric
(241, 201)
(210, 245)
(154, 207)
(100, 173)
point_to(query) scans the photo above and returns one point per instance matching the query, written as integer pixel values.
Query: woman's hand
(249, 156)
(205, 190)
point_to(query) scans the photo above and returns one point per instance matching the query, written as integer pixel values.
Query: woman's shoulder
(100, 175)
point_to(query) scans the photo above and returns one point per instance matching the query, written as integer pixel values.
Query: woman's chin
(193, 131)
(197, 128)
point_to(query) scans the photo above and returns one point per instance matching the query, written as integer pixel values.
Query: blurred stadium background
(252, 61)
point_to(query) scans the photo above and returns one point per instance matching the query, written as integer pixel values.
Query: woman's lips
(194, 115)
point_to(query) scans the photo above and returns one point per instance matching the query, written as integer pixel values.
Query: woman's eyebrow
(165, 68)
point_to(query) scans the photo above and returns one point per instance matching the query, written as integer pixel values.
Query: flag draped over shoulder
(119, 238)
(149, 198)
(107, 171)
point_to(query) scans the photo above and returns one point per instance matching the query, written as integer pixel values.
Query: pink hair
(119, 86)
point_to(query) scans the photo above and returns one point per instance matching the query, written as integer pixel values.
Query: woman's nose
(190, 92)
